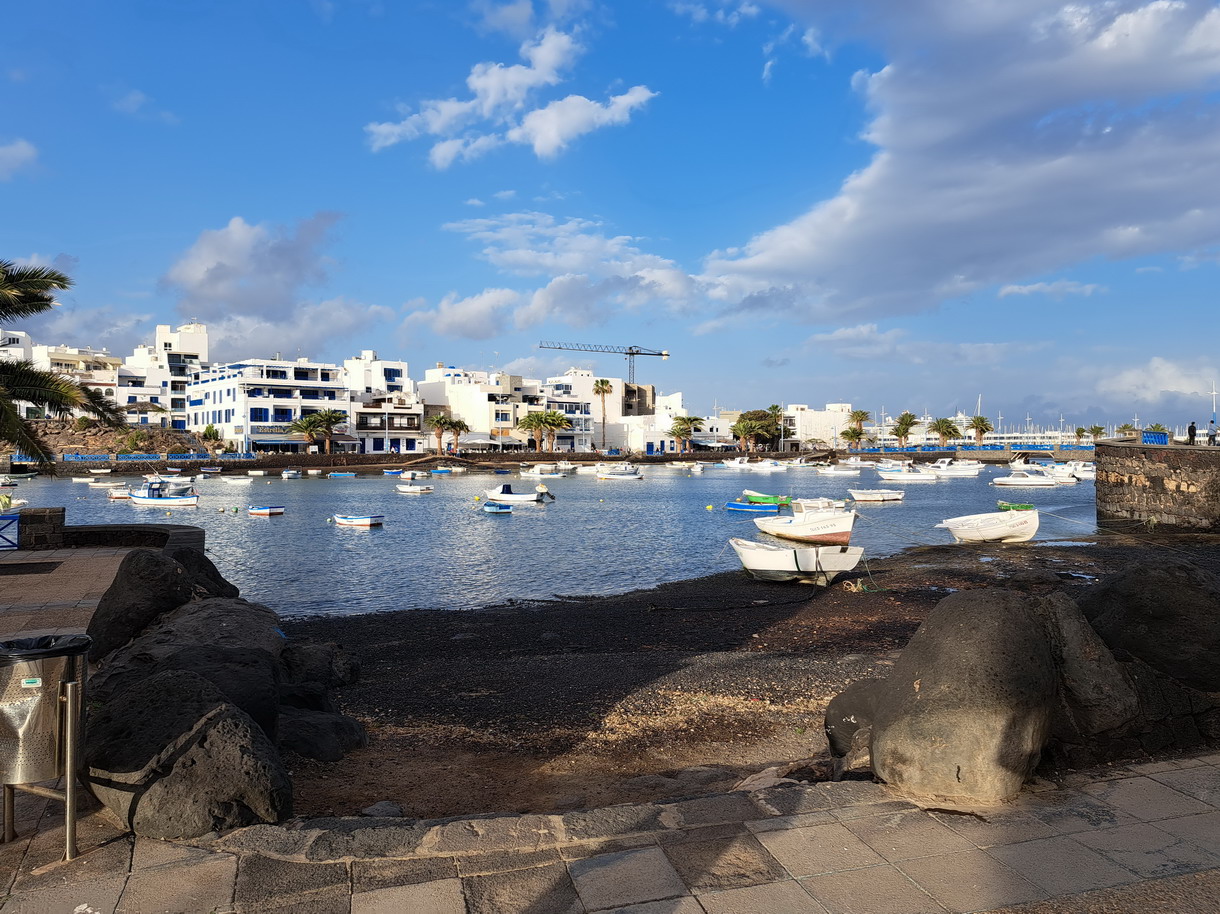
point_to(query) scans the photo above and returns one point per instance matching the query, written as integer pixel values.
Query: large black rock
(206, 580)
(173, 759)
(851, 710)
(147, 585)
(1167, 615)
(324, 662)
(967, 709)
(321, 735)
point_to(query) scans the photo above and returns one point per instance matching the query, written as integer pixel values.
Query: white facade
(387, 413)
(160, 374)
(491, 403)
(802, 424)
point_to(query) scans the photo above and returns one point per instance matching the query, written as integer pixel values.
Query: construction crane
(629, 351)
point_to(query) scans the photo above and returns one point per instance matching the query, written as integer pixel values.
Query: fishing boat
(541, 470)
(292, 473)
(118, 494)
(830, 526)
(838, 470)
(618, 471)
(450, 468)
(414, 474)
(492, 507)
(442, 471)
(759, 498)
(20, 475)
(1029, 476)
(993, 527)
(391, 472)
(876, 494)
(1013, 506)
(505, 495)
(947, 466)
(821, 504)
(158, 495)
(238, 480)
(752, 506)
(211, 469)
(410, 488)
(340, 476)
(1062, 474)
(359, 520)
(806, 564)
(161, 485)
(264, 510)
(906, 474)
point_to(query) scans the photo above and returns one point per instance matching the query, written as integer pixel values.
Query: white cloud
(311, 327)
(729, 13)
(553, 127)
(135, 103)
(476, 317)
(1056, 290)
(1013, 140)
(16, 155)
(1157, 380)
(475, 201)
(504, 194)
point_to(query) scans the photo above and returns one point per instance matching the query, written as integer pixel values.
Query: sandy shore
(681, 689)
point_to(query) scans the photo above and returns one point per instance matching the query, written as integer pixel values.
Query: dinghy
(807, 564)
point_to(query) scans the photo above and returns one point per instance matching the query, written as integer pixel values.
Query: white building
(159, 374)
(491, 403)
(802, 424)
(387, 413)
(620, 427)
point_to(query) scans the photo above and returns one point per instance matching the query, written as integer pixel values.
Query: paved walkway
(1133, 838)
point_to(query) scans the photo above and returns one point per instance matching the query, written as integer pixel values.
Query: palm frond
(20, 380)
(26, 291)
(20, 433)
(102, 408)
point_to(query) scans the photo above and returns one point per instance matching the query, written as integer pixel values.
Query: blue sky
(908, 205)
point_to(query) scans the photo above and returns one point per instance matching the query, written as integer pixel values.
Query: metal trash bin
(42, 683)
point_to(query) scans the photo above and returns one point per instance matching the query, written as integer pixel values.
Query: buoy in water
(710, 508)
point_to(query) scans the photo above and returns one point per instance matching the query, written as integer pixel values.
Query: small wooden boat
(359, 520)
(164, 501)
(101, 471)
(79, 478)
(753, 507)
(876, 494)
(811, 525)
(491, 507)
(391, 472)
(807, 564)
(20, 475)
(1013, 506)
(409, 488)
(340, 476)
(238, 480)
(291, 473)
(264, 510)
(993, 527)
(211, 469)
(442, 471)
(118, 494)
(505, 495)
(758, 498)
(420, 474)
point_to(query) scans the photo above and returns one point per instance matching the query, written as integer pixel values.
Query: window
(282, 414)
(503, 417)
(258, 414)
(393, 374)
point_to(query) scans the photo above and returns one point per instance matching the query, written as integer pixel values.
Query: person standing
(1190, 432)
(1211, 433)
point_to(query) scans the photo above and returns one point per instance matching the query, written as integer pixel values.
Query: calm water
(598, 537)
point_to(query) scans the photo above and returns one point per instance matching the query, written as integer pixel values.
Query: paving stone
(583, 851)
(529, 832)
(729, 807)
(818, 849)
(443, 896)
(856, 793)
(856, 810)
(625, 878)
(995, 828)
(98, 860)
(705, 833)
(370, 875)
(1202, 830)
(791, 799)
(11, 855)
(1145, 798)
(726, 863)
(1148, 851)
(1202, 783)
(150, 852)
(325, 901)
(1071, 811)
(686, 905)
(774, 898)
(610, 822)
(782, 823)
(899, 835)
(264, 879)
(368, 838)
(505, 861)
(96, 896)
(970, 881)
(198, 885)
(540, 890)
(1062, 866)
(872, 890)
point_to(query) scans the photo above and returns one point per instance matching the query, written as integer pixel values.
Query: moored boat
(494, 507)
(100, 471)
(1013, 506)
(391, 472)
(993, 527)
(839, 470)
(906, 474)
(876, 494)
(1028, 475)
(759, 498)
(359, 520)
(410, 488)
(291, 473)
(264, 510)
(504, 494)
(238, 480)
(211, 469)
(830, 526)
(752, 506)
(340, 476)
(807, 564)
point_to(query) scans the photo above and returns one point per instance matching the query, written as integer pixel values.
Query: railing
(70, 458)
(1155, 438)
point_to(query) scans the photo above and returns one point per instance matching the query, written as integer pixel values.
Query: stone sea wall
(1171, 487)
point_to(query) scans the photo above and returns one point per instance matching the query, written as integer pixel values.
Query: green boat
(758, 498)
(1013, 506)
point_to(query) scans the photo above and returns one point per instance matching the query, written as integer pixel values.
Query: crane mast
(629, 351)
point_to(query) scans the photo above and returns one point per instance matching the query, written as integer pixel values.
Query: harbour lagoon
(441, 551)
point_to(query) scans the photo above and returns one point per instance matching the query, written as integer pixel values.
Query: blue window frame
(258, 414)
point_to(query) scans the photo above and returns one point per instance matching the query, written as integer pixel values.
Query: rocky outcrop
(147, 585)
(172, 758)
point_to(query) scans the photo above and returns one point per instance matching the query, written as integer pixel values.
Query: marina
(593, 538)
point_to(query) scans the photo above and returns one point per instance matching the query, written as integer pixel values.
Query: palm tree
(748, 431)
(684, 428)
(309, 426)
(439, 424)
(24, 292)
(553, 422)
(1096, 431)
(534, 425)
(1080, 433)
(853, 436)
(603, 388)
(858, 417)
(945, 429)
(457, 428)
(902, 427)
(327, 421)
(1157, 427)
(1126, 430)
(775, 414)
(981, 426)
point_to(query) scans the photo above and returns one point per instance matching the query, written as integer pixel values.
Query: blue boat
(441, 471)
(502, 472)
(339, 475)
(390, 472)
(492, 507)
(752, 507)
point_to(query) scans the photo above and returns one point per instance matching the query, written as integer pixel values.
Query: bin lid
(22, 650)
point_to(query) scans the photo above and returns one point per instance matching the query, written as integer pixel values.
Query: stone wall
(44, 528)
(1171, 487)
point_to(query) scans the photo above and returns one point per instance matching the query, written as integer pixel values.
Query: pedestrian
(1211, 433)
(1190, 433)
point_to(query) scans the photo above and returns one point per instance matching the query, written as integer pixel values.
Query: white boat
(838, 470)
(118, 494)
(876, 494)
(256, 472)
(505, 495)
(736, 463)
(1029, 476)
(817, 525)
(160, 488)
(165, 501)
(264, 510)
(414, 474)
(104, 484)
(101, 471)
(907, 474)
(238, 480)
(290, 473)
(1062, 474)
(618, 471)
(1082, 469)
(542, 471)
(994, 527)
(947, 466)
(451, 468)
(807, 564)
(82, 479)
(408, 488)
(359, 520)
(857, 461)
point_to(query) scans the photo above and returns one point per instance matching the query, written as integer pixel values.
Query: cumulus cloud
(313, 326)
(15, 156)
(866, 342)
(1157, 380)
(475, 317)
(502, 107)
(1012, 140)
(1056, 290)
(729, 13)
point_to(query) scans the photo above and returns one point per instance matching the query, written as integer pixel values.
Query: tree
(684, 428)
(1080, 433)
(1157, 427)
(853, 436)
(603, 388)
(25, 292)
(553, 422)
(534, 425)
(944, 429)
(439, 424)
(457, 428)
(210, 433)
(775, 414)
(748, 431)
(1096, 431)
(327, 421)
(858, 417)
(981, 426)
(1126, 429)
(902, 427)
(309, 426)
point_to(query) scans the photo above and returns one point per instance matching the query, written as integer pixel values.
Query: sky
(900, 204)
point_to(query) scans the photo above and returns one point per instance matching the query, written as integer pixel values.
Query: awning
(476, 440)
(712, 442)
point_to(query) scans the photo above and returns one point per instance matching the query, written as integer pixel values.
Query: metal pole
(10, 828)
(71, 726)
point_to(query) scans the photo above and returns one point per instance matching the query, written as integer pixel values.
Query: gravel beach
(685, 688)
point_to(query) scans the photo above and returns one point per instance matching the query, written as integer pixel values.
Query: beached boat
(906, 474)
(504, 494)
(876, 494)
(830, 526)
(1027, 476)
(494, 507)
(807, 564)
(993, 527)
(410, 488)
(238, 480)
(759, 498)
(752, 506)
(20, 475)
(264, 510)
(359, 520)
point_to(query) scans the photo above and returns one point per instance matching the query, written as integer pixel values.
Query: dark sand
(685, 688)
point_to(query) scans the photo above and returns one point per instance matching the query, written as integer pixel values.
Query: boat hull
(752, 507)
(368, 520)
(993, 527)
(264, 510)
(806, 564)
(876, 494)
(165, 501)
(831, 528)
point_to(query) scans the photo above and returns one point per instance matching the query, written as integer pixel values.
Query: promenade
(1140, 837)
